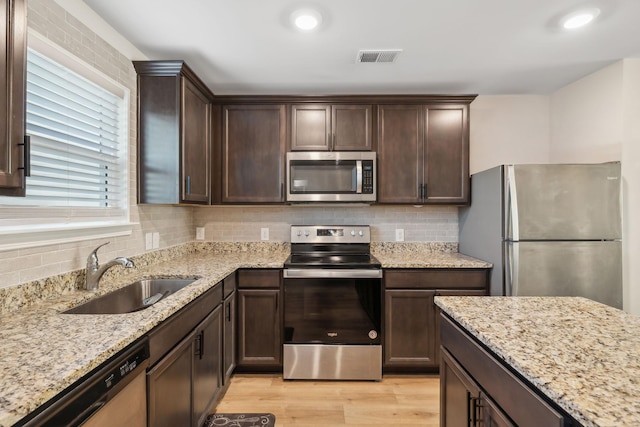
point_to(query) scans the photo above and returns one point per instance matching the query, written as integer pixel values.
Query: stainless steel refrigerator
(552, 230)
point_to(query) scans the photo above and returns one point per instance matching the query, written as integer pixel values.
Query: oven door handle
(332, 273)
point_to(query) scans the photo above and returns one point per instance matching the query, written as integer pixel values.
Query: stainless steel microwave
(336, 176)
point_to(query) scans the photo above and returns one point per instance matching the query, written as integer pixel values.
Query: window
(77, 122)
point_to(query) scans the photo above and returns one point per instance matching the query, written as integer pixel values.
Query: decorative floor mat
(240, 420)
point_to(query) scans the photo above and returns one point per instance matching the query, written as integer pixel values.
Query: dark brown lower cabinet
(207, 367)
(229, 337)
(170, 387)
(259, 329)
(410, 326)
(411, 330)
(184, 384)
(260, 323)
(476, 389)
(184, 379)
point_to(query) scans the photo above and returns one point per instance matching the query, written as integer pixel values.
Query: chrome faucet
(95, 271)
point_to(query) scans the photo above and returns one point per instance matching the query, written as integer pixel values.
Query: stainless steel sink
(134, 297)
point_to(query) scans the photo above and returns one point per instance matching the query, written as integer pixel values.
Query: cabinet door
(196, 144)
(259, 328)
(400, 153)
(351, 128)
(409, 329)
(254, 141)
(13, 30)
(492, 415)
(229, 358)
(446, 155)
(169, 385)
(207, 366)
(311, 127)
(459, 395)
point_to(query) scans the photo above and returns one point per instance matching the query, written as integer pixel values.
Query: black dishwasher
(92, 400)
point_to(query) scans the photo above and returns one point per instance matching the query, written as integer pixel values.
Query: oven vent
(378, 55)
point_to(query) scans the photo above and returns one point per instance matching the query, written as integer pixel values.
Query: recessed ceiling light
(580, 18)
(306, 19)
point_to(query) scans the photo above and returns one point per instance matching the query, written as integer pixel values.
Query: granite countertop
(44, 351)
(581, 354)
(423, 255)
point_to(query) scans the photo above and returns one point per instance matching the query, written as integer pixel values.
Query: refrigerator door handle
(512, 232)
(511, 268)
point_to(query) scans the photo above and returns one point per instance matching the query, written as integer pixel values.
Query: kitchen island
(44, 351)
(576, 357)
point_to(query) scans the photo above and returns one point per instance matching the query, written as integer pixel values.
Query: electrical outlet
(264, 233)
(148, 241)
(399, 234)
(199, 233)
(156, 240)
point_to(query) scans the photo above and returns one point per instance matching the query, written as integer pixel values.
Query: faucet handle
(92, 259)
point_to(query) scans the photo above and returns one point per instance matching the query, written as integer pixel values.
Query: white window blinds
(77, 146)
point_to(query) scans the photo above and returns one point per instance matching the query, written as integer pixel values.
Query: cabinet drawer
(259, 279)
(435, 278)
(165, 336)
(510, 393)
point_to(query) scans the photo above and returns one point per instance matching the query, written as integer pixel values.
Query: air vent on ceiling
(378, 55)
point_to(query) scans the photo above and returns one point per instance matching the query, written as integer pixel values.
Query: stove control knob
(360, 233)
(306, 233)
(353, 232)
(299, 233)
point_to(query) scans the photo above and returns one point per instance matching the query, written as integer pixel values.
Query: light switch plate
(264, 233)
(148, 241)
(399, 234)
(199, 233)
(156, 240)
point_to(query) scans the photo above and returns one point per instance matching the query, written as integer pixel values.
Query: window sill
(30, 237)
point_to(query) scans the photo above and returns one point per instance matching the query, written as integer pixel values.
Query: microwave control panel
(367, 176)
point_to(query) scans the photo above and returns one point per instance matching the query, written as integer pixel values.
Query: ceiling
(485, 47)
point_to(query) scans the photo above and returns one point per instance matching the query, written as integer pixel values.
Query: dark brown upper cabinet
(13, 19)
(423, 154)
(253, 153)
(174, 134)
(325, 127)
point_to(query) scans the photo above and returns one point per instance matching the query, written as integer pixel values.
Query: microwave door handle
(359, 176)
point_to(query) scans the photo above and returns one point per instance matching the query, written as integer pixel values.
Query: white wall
(587, 118)
(595, 119)
(508, 129)
(631, 183)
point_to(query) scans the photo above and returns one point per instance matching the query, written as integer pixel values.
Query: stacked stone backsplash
(23, 295)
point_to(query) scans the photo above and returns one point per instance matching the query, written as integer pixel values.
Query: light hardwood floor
(411, 400)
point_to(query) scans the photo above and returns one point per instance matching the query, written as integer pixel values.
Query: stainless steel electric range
(332, 305)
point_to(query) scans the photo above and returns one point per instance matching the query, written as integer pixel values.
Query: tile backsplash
(243, 223)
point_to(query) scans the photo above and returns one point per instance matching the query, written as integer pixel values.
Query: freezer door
(563, 202)
(588, 269)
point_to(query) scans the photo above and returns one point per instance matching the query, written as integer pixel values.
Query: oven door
(332, 306)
